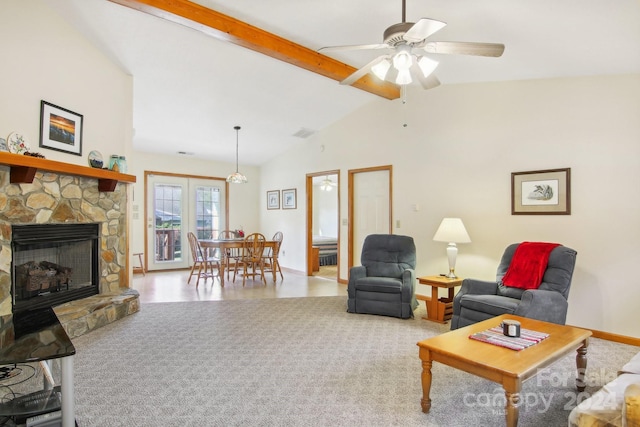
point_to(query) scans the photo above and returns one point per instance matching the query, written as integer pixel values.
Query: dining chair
(251, 259)
(201, 260)
(270, 258)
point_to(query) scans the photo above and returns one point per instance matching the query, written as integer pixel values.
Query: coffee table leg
(581, 364)
(426, 385)
(513, 403)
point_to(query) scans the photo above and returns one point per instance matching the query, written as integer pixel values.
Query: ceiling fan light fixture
(427, 65)
(326, 184)
(381, 68)
(237, 177)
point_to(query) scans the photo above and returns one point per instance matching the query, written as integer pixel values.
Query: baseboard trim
(622, 339)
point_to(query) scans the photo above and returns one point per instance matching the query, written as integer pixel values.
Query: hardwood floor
(171, 286)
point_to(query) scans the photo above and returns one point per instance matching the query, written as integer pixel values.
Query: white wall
(44, 59)
(455, 158)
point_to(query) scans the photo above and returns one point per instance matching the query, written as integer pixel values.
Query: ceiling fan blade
(428, 82)
(354, 47)
(423, 29)
(465, 48)
(362, 71)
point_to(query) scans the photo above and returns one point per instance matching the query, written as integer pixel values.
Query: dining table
(224, 244)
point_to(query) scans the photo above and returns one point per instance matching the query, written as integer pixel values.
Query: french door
(177, 205)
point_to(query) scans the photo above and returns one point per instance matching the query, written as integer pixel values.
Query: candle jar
(122, 164)
(114, 161)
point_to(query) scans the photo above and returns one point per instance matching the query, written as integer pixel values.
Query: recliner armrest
(471, 286)
(355, 273)
(548, 306)
(480, 287)
(409, 277)
(409, 286)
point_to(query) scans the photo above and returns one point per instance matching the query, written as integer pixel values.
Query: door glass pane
(208, 212)
(168, 222)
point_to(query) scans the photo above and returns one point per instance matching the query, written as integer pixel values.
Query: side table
(38, 336)
(439, 310)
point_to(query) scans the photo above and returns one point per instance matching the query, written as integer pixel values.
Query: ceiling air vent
(304, 133)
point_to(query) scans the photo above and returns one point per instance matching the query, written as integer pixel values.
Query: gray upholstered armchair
(385, 282)
(480, 300)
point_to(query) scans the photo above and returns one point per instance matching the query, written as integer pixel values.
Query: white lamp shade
(427, 65)
(381, 69)
(452, 230)
(402, 60)
(404, 77)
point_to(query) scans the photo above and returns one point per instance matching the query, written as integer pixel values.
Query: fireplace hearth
(53, 264)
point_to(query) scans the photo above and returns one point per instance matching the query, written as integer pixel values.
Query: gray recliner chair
(385, 282)
(480, 300)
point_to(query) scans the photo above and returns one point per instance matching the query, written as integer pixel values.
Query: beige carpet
(295, 362)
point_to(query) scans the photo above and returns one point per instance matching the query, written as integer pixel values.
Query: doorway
(323, 228)
(176, 205)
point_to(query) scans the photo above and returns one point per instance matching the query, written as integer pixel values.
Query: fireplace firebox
(53, 264)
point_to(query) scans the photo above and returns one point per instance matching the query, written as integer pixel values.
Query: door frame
(309, 189)
(351, 175)
(177, 175)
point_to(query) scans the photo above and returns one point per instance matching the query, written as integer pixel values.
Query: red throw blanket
(528, 265)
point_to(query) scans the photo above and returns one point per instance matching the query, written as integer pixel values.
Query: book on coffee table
(495, 336)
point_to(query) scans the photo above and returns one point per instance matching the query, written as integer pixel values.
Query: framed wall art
(289, 199)
(273, 199)
(60, 129)
(543, 192)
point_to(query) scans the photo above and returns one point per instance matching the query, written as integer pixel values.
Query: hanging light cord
(237, 128)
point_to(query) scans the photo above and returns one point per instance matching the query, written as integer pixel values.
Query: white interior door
(371, 207)
(176, 206)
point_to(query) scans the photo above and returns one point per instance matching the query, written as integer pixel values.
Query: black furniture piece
(385, 282)
(479, 300)
(38, 336)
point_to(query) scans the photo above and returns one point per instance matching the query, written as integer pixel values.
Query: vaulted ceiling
(194, 79)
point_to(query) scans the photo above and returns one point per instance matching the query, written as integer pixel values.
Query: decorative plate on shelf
(3, 145)
(17, 143)
(95, 159)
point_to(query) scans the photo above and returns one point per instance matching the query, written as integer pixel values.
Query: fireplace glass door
(53, 264)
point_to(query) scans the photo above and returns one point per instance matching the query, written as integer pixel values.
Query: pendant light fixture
(237, 177)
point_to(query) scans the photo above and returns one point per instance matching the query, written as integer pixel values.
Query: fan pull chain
(403, 99)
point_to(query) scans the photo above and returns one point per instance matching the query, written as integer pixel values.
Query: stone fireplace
(67, 199)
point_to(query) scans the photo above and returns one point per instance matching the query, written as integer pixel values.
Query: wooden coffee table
(507, 367)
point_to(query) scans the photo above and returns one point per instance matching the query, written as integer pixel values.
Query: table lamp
(452, 230)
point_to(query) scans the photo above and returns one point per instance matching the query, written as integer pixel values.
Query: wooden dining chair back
(231, 254)
(271, 263)
(201, 260)
(251, 259)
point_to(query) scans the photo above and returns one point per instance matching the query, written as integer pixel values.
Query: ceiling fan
(327, 184)
(408, 45)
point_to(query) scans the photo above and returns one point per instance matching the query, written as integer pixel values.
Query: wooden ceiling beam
(231, 30)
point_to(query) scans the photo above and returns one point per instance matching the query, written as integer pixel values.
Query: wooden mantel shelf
(24, 168)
